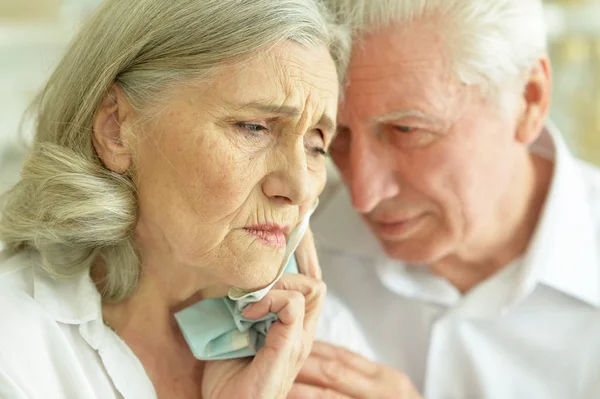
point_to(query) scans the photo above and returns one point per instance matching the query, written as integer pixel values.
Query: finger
(305, 391)
(306, 256)
(284, 346)
(348, 358)
(333, 375)
(288, 305)
(308, 286)
(314, 293)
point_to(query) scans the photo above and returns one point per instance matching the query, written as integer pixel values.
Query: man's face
(427, 159)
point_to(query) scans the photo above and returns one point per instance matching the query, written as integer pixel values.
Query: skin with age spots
(245, 149)
(440, 173)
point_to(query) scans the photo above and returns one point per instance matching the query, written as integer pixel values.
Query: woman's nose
(289, 181)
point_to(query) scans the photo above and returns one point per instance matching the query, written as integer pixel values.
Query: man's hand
(336, 373)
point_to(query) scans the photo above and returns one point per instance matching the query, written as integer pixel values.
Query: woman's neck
(146, 322)
(161, 292)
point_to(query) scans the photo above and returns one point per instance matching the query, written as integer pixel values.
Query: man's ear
(109, 136)
(536, 100)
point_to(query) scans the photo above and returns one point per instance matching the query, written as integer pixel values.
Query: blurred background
(34, 34)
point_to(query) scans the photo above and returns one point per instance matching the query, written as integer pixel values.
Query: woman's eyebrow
(326, 122)
(284, 110)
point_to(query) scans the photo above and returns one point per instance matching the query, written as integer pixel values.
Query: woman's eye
(252, 128)
(315, 144)
(318, 151)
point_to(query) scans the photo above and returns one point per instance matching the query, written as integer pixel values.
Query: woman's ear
(109, 133)
(536, 100)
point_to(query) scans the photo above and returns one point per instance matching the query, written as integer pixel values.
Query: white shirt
(530, 331)
(55, 345)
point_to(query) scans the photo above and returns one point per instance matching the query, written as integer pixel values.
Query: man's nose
(371, 173)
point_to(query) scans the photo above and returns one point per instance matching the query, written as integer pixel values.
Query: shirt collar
(563, 253)
(71, 300)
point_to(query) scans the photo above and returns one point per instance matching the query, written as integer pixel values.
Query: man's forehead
(411, 45)
(390, 85)
(382, 99)
(393, 71)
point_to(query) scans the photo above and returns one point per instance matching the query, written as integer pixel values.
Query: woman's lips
(397, 229)
(270, 234)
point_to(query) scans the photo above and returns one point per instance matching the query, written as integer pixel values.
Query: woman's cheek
(321, 180)
(235, 180)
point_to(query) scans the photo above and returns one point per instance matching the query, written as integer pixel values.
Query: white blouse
(55, 345)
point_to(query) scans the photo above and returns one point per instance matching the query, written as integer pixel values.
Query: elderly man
(467, 238)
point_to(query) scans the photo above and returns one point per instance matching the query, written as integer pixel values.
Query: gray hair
(68, 207)
(491, 42)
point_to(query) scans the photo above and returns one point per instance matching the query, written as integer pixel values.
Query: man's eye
(404, 129)
(406, 137)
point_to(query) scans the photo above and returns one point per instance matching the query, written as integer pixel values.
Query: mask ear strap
(244, 296)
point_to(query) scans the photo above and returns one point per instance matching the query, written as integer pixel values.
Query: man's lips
(396, 228)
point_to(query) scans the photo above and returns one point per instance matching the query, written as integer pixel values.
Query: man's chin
(413, 251)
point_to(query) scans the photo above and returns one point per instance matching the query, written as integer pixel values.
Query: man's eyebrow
(393, 116)
(326, 122)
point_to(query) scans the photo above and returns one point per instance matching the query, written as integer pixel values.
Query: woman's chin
(256, 276)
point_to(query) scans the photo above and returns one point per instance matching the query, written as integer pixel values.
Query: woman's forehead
(286, 79)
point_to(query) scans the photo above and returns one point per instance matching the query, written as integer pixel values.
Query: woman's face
(230, 167)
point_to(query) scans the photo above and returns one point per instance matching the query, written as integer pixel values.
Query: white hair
(491, 42)
(71, 210)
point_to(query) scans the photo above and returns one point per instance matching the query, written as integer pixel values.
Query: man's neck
(509, 232)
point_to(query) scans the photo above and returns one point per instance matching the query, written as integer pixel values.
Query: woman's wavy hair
(69, 208)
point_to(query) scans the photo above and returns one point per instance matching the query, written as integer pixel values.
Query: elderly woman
(178, 143)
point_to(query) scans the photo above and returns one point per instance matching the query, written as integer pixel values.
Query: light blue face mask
(215, 328)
